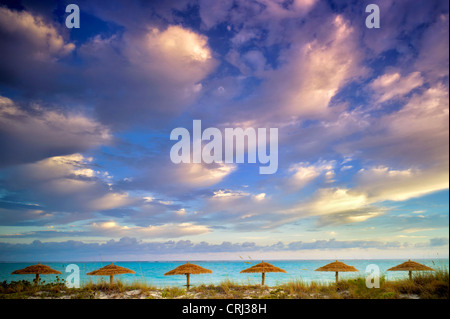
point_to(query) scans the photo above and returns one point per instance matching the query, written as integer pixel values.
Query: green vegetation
(424, 285)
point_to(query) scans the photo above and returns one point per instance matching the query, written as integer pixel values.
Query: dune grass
(424, 285)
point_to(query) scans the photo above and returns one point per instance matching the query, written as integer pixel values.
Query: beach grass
(424, 285)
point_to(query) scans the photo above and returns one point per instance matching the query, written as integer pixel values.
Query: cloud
(373, 186)
(132, 249)
(382, 183)
(415, 230)
(111, 229)
(350, 216)
(302, 85)
(302, 66)
(214, 12)
(110, 201)
(31, 49)
(337, 244)
(239, 210)
(438, 241)
(28, 135)
(312, 92)
(178, 179)
(40, 40)
(69, 187)
(169, 230)
(398, 18)
(434, 53)
(140, 75)
(304, 173)
(170, 51)
(228, 193)
(250, 63)
(336, 200)
(199, 175)
(415, 135)
(391, 85)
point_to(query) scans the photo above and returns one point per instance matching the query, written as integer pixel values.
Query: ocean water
(153, 272)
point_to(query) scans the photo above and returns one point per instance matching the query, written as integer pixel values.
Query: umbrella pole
(187, 279)
(263, 278)
(37, 279)
(410, 275)
(111, 279)
(337, 276)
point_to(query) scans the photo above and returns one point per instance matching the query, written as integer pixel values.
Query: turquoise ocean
(152, 272)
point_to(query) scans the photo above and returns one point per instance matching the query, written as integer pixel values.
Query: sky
(86, 115)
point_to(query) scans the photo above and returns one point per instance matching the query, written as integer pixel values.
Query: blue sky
(86, 115)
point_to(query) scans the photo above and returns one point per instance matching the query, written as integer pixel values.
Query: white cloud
(259, 197)
(43, 40)
(60, 166)
(181, 212)
(176, 53)
(416, 230)
(110, 201)
(170, 230)
(227, 193)
(414, 136)
(324, 66)
(336, 200)
(391, 85)
(304, 173)
(199, 175)
(155, 72)
(383, 183)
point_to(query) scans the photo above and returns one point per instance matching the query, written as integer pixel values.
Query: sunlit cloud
(393, 85)
(170, 230)
(44, 39)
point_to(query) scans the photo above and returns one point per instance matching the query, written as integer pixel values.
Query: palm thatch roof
(188, 268)
(336, 266)
(410, 266)
(263, 267)
(111, 270)
(38, 269)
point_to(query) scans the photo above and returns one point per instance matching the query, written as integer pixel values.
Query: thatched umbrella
(36, 270)
(410, 266)
(188, 269)
(111, 270)
(263, 267)
(337, 267)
